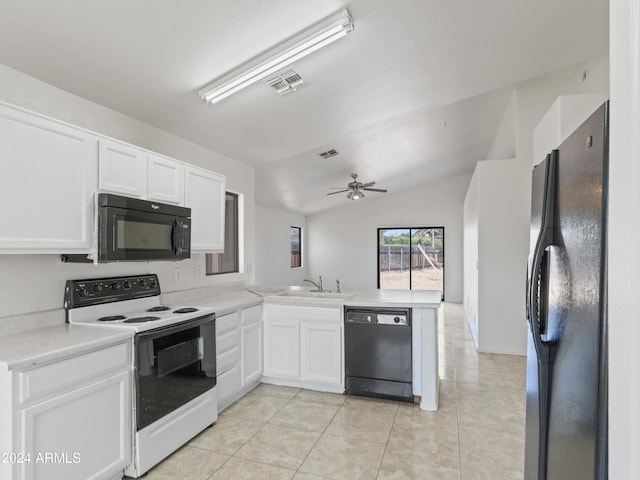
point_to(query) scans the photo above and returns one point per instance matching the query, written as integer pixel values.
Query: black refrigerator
(566, 412)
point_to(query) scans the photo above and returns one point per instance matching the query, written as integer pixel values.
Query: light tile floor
(288, 433)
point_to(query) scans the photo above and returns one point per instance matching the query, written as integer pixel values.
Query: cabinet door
(321, 352)
(165, 180)
(122, 169)
(251, 353)
(282, 348)
(204, 195)
(88, 429)
(49, 174)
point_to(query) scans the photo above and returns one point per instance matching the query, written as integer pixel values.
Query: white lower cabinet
(72, 418)
(304, 347)
(252, 351)
(320, 357)
(229, 384)
(282, 348)
(238, 354)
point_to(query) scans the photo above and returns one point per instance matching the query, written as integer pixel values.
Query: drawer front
(226, 323)
(227, 341)
(296, 312)
(229, 383)
(228, 359)
(64, 374)
(251, 315)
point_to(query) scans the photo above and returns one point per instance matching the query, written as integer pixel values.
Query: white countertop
(396, 298)
(42, 345)
(365, 298)
(228, 302)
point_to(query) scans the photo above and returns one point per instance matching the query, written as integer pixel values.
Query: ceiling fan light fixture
(356, 195)
(282, 55)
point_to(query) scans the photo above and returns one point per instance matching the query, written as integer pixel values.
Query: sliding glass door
(411, 258)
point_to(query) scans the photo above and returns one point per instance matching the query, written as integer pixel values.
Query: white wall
(273, 252)
(496, 227)
(529, 104)
(504, 143)
(624, 237)
(565, 115)
(342, 243)
(536, 97)
(470, 257)
(35, 283)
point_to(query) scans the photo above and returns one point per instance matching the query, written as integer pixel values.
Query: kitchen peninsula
(304, 336)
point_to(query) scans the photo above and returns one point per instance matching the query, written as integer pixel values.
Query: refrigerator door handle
(538, 286)
(538, 291)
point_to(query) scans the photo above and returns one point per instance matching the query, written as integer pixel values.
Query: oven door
(174, 365)
(126, 234)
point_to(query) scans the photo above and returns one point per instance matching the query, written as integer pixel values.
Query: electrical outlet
(197, 272)
(177, 274)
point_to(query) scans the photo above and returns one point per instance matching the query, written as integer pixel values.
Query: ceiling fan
(355, 188)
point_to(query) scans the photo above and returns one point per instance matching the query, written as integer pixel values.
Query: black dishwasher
(378, 352)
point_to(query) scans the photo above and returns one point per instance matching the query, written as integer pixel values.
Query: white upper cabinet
(123, 169)
(50, 171)
(205, 195)
(165, 180)
(49, 174)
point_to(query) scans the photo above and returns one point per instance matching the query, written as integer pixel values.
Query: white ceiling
(414, 94)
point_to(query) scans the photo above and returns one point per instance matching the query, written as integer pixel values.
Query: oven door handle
(177, 327)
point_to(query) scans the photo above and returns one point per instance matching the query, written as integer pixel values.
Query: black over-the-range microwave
(133, 229)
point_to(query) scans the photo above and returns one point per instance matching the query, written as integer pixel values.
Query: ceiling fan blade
(375, 190)
(367, 185)
(339, 191)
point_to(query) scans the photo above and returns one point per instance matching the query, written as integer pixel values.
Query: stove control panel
(82, 293)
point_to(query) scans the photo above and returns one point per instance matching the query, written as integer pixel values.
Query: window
(296, 246)
(411, 258)
(227, 261)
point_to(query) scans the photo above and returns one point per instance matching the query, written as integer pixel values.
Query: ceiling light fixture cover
(300, 45)
(286, 82)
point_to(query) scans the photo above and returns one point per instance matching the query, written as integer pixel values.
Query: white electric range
(174, 359)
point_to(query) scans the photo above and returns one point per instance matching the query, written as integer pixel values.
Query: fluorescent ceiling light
(282, 55)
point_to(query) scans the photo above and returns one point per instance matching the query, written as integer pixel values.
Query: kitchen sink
(310, 294)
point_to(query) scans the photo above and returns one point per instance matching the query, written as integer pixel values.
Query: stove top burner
(186, 310)
(141, 319)
(159, 308)
(112, 318)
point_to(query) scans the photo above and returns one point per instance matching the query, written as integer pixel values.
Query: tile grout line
(319, 437)
(386, 445)
(253, 435)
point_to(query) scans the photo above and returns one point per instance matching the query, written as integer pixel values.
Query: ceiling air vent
(329, 153)
(285, 82)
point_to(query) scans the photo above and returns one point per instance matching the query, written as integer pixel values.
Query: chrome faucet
(317, 285)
